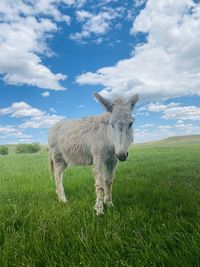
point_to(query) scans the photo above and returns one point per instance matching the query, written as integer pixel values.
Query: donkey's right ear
(134, 99)
(106, 103)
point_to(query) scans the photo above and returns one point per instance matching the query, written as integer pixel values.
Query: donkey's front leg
(109, 175)
(99, 185)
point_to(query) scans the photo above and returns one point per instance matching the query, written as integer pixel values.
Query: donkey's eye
(130, 124)
(112, 125)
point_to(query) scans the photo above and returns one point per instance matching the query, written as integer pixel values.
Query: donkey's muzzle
(122, 156)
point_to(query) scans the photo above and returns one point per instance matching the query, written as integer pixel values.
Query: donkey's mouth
(122, 157)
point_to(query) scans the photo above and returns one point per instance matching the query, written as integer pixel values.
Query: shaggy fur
(97, 140)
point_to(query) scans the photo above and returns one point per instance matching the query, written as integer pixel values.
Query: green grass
(155, 221)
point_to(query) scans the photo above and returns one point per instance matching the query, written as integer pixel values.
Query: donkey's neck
(102, 118)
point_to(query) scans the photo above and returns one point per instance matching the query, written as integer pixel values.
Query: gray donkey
(99, 140)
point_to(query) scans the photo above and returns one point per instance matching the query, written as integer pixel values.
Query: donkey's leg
(109, 175)
(99, 185)
(59, 168)
(51, 164)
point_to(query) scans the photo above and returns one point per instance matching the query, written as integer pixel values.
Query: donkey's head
(120, 123)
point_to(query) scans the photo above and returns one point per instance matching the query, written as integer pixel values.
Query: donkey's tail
(51, 165)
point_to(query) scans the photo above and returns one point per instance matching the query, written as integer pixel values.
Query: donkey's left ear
(133, 100)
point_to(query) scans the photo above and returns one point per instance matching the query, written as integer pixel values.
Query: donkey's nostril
(122, 156)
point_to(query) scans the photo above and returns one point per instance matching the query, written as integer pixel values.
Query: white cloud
(45, 94)
(180, 121)
(11, 9)
(164, 131)
(168, 65)
(44, 121)
(24, 30)
(147, 125)
(164, 127)
(174, 111)
(95, 24)
(156, 107)
(138, 3)
(12, 131)
(144, 135)
(182, 113)
(21, 109)
(37, 118)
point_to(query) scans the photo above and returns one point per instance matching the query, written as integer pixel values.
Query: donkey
(99, 140)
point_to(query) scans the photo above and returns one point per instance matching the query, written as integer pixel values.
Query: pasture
(155, 221)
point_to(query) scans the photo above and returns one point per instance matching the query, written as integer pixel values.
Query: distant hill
(173, 140)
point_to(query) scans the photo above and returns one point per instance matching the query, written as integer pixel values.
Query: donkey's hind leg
(51, 164)
(59, 168)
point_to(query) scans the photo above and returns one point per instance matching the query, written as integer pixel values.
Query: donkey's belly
(76, 162)
(77, 157)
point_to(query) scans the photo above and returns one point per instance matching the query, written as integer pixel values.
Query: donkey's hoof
(99, 210)
(62, 199)
(109, 204)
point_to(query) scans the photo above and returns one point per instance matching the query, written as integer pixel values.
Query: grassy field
(155, 221)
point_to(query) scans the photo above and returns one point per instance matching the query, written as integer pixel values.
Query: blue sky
(55, 54)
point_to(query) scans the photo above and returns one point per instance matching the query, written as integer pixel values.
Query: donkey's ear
(133, 100)
(106, 103)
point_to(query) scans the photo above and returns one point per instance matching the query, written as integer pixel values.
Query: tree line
(21, 148)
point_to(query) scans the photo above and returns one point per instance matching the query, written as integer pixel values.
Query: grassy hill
(155, 220)
(176, 140)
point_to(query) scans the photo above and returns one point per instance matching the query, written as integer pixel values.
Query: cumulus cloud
(44, 121)
(24, 29)
(174, 111)
(182, 113)
(12, 131)
(157, 107)
(95, 25)
(164, 131)
(21, 109)
(36, 117)
(29, 118)
(167, 65)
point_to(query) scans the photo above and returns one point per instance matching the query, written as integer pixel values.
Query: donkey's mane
(119, 101)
